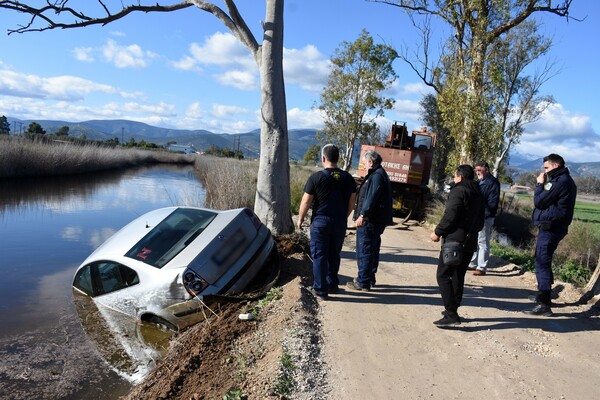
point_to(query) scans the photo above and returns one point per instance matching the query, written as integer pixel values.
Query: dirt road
(383, 345)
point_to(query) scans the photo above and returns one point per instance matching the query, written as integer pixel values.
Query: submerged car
(160, 266)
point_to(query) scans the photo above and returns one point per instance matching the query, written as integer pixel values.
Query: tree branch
(59, 9)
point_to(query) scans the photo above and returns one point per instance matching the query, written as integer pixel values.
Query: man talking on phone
(554, 201)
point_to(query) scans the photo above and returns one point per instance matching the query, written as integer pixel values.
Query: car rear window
(171, 236)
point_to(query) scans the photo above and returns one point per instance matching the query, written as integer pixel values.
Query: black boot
(540, 309)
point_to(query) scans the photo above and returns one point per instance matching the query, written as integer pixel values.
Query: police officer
(331, 193)
(554, 201)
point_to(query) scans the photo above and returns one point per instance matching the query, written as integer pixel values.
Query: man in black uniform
(554, 201)
(331, 192)
(462, 219)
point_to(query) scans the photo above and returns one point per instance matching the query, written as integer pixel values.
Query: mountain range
(248, 143)
(125, 130)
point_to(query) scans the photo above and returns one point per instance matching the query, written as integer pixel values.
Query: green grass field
(587, 212)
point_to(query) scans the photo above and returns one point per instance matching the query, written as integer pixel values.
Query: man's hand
(541, 177)
(359, 221)
(434, 237)
(300, 221)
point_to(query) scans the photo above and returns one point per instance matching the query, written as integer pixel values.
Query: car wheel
(161, 323)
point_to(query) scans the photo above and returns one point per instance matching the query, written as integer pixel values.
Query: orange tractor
(407, 160)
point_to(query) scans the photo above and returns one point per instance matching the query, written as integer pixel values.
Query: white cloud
(229, 112)
(222, 49)
(243, 80)
(194, 111)
(561, 131)
(408, 111)
(131, 56)
(306, 67)
(187, 63)
(304, 119)
(218, 118)
(160, 109)
(83, 54)
(60, 87)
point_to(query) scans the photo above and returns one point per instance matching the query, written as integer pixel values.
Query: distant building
(189, 149)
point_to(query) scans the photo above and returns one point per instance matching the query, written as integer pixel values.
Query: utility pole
(122, 129)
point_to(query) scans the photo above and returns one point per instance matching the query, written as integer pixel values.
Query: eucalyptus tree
(353, 98)
(272, 200)
(459, 74)
(444, 142)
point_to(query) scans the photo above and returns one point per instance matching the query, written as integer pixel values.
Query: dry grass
(229, 183)
(20, 158)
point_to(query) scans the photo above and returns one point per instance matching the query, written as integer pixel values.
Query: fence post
(593, 286)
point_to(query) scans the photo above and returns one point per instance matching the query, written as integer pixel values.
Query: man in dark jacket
(554, 201)
(372, 213)
(490, 190)
(462, 219)
(331, 193)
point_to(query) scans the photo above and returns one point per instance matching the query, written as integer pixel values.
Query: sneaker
(540, 309)
(317, 296)
(479, 272)
(355, 286)
(471, 268)
(447, 320)
(445, 313)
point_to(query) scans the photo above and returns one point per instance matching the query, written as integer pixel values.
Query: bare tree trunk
(272, 201)
(349, 153)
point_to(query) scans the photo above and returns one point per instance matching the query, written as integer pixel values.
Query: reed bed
(229, 182)
(21, 158)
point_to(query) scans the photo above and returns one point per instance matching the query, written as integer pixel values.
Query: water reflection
(47, 228)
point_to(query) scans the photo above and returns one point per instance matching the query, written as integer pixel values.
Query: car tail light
(193, 283)
(253, 217)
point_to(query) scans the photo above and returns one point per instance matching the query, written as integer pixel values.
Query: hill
(124, 130)
(523, 163)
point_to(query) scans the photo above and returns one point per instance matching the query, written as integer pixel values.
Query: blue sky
(185, 70)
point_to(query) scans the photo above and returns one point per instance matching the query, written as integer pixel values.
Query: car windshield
(171, 236)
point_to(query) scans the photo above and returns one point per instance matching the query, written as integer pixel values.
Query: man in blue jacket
(372, 213)
(554, 201)
(490, 190)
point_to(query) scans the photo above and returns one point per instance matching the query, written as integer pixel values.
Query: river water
(47, 228)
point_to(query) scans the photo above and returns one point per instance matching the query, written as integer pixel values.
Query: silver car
(159, 267)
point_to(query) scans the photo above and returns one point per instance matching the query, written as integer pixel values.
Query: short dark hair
(482, 164)
(374, 156)
(466, 171)
(331, 153)
(555, 159)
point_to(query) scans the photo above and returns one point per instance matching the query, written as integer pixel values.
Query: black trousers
(451, 281)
